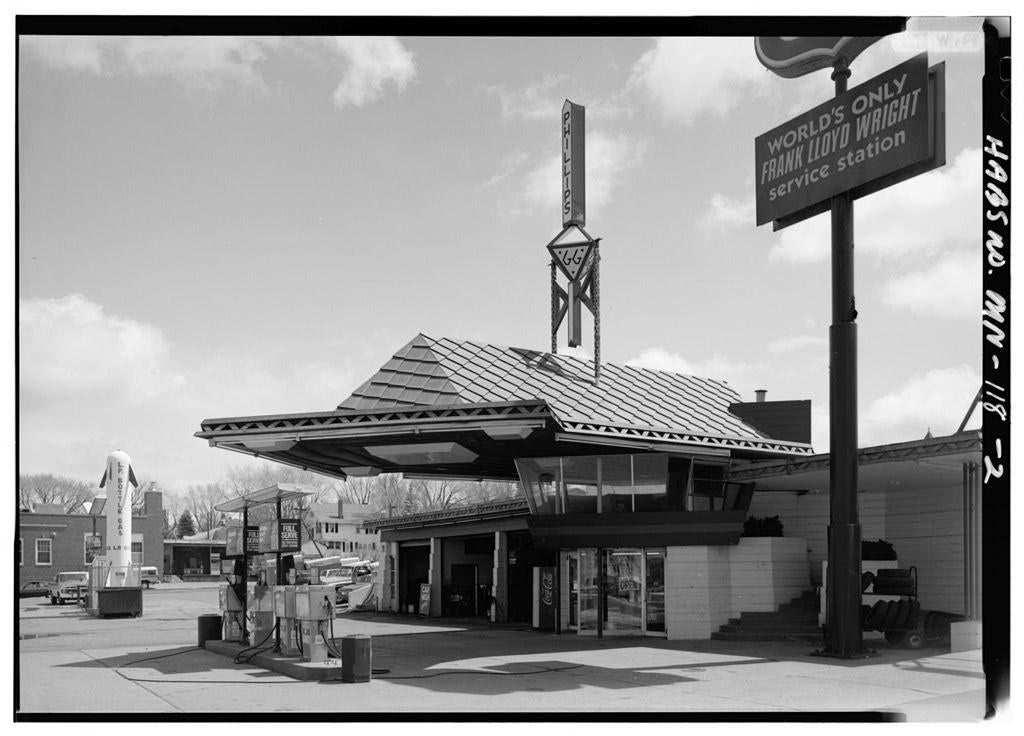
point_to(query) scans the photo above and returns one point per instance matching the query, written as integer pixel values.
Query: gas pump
(314, 608)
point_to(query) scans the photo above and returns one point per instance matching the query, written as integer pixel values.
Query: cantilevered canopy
(926, 463)
(453, 409)
(271, 494)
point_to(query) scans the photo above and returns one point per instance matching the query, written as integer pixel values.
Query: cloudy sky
(230, 226)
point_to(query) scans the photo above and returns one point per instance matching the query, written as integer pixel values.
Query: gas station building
(635, 488)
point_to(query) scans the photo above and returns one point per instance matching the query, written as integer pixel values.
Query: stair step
(797, 624)
(732, 628)
(761, 636)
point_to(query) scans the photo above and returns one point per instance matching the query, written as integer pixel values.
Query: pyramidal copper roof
(445, 372)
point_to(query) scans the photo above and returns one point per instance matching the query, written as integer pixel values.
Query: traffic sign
(572, 257)
(794, 56)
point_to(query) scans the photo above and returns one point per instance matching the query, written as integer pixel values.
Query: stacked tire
(894, 582)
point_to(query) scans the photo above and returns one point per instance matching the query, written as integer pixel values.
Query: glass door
(623, 592)
(588, 592)
(574, 590)
(654, 591)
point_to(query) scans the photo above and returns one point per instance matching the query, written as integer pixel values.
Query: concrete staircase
(797, 619)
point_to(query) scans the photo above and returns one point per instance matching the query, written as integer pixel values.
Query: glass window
(579, 474)
(650, 476)
(44, 552)
(708, 487)
(595, 483)
(137, 549)
(21, 551)
(539, 478)
(616, 483)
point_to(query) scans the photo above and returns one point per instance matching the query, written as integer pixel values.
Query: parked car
(34, 588)
(149, 576)
(69, 586)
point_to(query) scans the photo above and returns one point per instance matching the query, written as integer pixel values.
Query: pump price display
(252, 540)
(873, 131)
(289, 535)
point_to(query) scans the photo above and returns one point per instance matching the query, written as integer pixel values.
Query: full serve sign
(878, 133)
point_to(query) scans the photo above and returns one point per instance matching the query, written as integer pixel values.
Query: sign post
(883, 131)
(845, 634)
(578, 261)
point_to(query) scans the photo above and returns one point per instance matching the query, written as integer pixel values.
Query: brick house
(49, 541)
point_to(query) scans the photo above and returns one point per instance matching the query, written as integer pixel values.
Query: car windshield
(65, 577)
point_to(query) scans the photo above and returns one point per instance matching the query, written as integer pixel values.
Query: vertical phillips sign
(573, 165)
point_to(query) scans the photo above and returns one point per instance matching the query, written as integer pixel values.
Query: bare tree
(359, 490)
(242, 479)
(437, 495)
(203, 500)
(52, 489)
(486, 491)
(392, 495)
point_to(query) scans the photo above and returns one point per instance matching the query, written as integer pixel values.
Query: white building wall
(807, 517)
(705, 586)
(927, 529)
(924, 526)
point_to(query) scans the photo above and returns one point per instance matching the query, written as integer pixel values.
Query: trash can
(209, 628)
(356, 654)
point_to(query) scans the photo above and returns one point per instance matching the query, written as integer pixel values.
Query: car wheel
(914, 640)
(145, 585)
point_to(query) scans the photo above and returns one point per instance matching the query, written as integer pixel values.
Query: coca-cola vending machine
(545, 598)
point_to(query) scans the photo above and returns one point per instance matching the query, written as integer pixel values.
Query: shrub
(769, 526)
(877, 550)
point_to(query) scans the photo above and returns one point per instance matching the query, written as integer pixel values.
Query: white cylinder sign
(118, 540)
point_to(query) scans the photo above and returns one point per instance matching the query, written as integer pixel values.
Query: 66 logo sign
(571, 258)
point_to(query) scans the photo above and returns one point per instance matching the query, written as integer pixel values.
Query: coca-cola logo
(547, 587)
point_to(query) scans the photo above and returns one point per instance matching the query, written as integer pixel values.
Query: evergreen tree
(186, 526)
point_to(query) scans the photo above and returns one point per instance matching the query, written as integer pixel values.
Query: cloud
(936, 400)
(70, 348)
(91, 382)
(723, 212)
(76, 53)
(509, 164)
(607, 159)
(950, 288)
(371, 64)
(796, 342)
(919, 216)
(537, 101)
(743, 377)
(689, 77)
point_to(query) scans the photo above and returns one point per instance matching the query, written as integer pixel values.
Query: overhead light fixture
(269, 445)
(360, 471)
(513, 432)
(423, 453)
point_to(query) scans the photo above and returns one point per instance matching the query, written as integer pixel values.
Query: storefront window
(595, 483)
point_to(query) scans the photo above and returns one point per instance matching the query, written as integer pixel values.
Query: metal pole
(554, 310)
(278, 576)
(245, 572)
(845, 635)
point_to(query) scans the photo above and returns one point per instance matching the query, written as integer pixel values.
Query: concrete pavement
(80, 664)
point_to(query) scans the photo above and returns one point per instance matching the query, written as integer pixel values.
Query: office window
(44, 552)
(137, 549)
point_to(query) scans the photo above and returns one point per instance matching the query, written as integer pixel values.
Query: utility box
(228, 600)
(233, 626)
(262, 627)
(314, 647)
(289, 637)
(356, 658)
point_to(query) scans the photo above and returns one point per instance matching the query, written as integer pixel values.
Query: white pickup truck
(69, 586)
